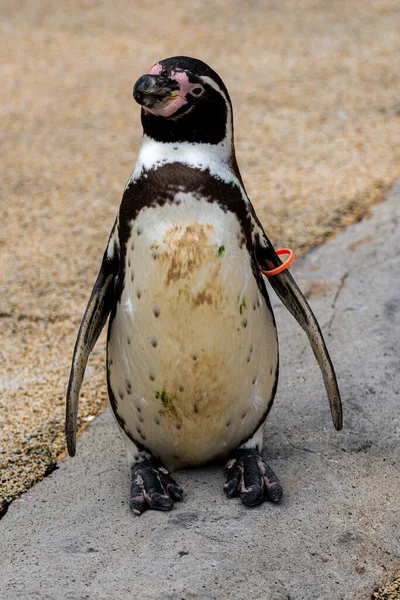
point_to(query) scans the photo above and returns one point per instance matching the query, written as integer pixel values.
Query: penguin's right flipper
(93, 321)
(292, 297)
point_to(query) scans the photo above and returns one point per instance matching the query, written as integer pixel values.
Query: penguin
(192, 346)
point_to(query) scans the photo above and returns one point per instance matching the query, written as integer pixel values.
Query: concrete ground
(335, 535)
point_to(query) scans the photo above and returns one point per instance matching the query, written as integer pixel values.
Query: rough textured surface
(315, 92)
(335, 535)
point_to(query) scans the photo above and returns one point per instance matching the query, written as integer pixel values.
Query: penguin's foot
(247, 475)
(152, 487)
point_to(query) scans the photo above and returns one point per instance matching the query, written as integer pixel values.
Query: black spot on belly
(194, 356)
(128, 387)
(270, 370)
(242, 416)
(129, 262)
(132, 246)
(121, 395)
(132, 275)
(128, 339)
(138, 409)
(141, 419)
(156, 420)
(254, 380)
(244, 322)
(154, 342)
(138, 293)
(195, 408)
(178, 426)
(156, 311)
(181, 388)
(151, 376)
(228, 423)
(139, 230)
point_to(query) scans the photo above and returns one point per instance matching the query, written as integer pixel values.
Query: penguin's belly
(192, 349)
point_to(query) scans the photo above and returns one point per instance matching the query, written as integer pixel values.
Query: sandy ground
(317, 114)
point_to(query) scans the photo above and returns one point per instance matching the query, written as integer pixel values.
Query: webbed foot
(247, 475)
(152, 487)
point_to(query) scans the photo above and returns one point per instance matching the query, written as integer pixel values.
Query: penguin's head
(184, 100)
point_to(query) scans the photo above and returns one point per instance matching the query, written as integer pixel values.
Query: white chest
(192, 349)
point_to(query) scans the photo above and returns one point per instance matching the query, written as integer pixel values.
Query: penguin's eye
(197, 91)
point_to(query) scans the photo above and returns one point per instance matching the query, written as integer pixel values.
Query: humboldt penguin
(192, 347)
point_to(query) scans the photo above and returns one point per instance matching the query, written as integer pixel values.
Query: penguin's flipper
(93, 321)
(292, 297)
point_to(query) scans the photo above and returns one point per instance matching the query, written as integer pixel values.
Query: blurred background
(315, 90)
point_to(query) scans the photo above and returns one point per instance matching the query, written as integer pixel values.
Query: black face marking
(203, 118)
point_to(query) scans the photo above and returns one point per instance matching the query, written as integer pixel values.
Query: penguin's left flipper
(292, 297)
(93, 321)
(247, 475)
(152, 487)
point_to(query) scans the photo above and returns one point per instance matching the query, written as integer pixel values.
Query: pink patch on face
(155, 69)
(185, 87)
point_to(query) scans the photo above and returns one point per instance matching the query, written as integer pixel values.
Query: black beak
(154, 91)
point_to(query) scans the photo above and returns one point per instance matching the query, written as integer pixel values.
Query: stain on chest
(191, 260)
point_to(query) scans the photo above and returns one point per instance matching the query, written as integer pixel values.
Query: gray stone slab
(335, 535)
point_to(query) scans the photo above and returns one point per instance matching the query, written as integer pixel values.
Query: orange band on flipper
(284, 265)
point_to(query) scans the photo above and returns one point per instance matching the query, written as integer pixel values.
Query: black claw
(248, 476)
(152, 487)
(175, 492)
(160, 501)
(275, 492)
(252, 496)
